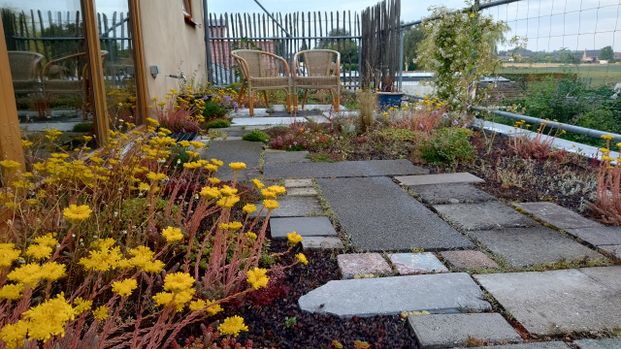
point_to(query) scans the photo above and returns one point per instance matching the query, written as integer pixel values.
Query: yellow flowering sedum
(301, 258)
(10, 164)
(31, 274)
(13, 335)
(228, 201)
(49, 318)
(153, 176)
(258, 184)
(172, 234)
(8, 254)
(294, 238)
(46, 240)
(210, 192)
(249, 208)
(237, 166)
(125, 287)
(143, 259)
(81, 305)
(270, 204)
(257, 278)
(104, 257)
(232, 326)
(75, 213)
(11, 292)
(37, 251)
(101, 313)
(250, 235)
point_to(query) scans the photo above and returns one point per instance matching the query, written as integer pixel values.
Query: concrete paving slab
(234, 151)
(437, 194)
(305, 226)
(353, 265)
(556, 215)
(436, 293)
(321, 107)
(597, 236)
(469, 259)
(614, 250)
(342, 169)
(298, 183)
(416, 263)
(268, 121)
(302, 192)
(560, 301)
(483, 216)
(294, 206)
(322, 243)
(378, 215)
(609, 343)
(441, 178)
(522, 247)
(538, 345)
(320, 119)
(278, 157)
(447, 330)
(245, 113)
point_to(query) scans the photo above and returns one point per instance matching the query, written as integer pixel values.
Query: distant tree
(607, 54)
(411, 38)
(566, 56)
(347, 47)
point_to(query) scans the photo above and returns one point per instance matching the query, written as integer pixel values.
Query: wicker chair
(321, 70)
(26, 72)
(262, 71)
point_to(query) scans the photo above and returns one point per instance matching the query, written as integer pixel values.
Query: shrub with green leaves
(256, 136)
(214, 110)
(449, 146)
(217, 123)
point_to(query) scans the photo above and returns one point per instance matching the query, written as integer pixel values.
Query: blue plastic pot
(387, 100)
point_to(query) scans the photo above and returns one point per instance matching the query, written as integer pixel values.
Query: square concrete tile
(295, 206)
(560, 301)
(614, 250)
(608, 343)
(362, 264)
(305, 226)
(522, 247)
(556, 215)
(448, 330)
(483, 216)
(470, 259)
(532, 345)
(597, 236)
(322, 243)
(417, 263)
(298, 183)
(436, 194)
(442, 178)
(302, 191)
(279, 157)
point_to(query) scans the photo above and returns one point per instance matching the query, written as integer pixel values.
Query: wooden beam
(102, 122)
(10, 133)
(139, 62)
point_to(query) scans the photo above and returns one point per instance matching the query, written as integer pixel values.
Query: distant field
(597, 74)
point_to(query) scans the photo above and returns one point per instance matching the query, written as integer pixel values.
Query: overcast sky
(548, 24)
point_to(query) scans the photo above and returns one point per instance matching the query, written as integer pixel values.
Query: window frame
(186, 9)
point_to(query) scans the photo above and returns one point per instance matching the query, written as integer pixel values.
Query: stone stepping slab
(341, 169)
(483, 216)
(436, 293)
(448, 330)
(556, 215)
(354, 265)
(298, 183)
(436, 194)
(468, 260)
(235, 151)
(538, 345)
(609, 343)
(322, 243)
(614, 250)
(523, 247)
(305, 226)
(560, 301)
(378, 215)
(279, 156)
(442, 178)
(416, 263)
(598, 236)
(294, 206)
(302, 192)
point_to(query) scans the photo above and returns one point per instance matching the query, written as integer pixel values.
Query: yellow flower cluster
(76, 214)
(32, 273)
(8, 254)
(232, 226)
(124, 287)
(301, 258)
(42, 247)
(237, 166)
(249, 208)
(178, 291)
(232, 326)
(257, 278)
(104, 257)
(172, 234)
(212, 308)
(294, 238)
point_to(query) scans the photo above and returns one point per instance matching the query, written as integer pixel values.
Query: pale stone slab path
(463, 260)
(279, 157)
(341, 169)
(556, 215)
(295, 206)
(598, 236)
(298, 183)
(379, 215)
(436, 194)
(235, 151)
(442, 178)
(436, 293)
(267, 120)
(523, 247)
(483, 216)
(302, 191)
(610, 343)
(539, 345)
(305, 226)
(447, 330)
(416, 263)
(560, 301)
(352, 265)
(322, 243)
(614, 250)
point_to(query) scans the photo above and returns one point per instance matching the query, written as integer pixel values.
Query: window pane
(49, 64)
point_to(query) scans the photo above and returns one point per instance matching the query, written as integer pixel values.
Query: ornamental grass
(127, 247)
(607, 203)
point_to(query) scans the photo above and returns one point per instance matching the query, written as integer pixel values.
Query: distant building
(588, 57)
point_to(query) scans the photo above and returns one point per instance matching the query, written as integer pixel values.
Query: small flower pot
(387, 100)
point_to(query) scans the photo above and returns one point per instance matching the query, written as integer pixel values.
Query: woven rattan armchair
(26, 72)
(262, 71)
(318, 69)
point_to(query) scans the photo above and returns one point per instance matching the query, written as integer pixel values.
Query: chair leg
(295, 102)
(288, 101)
(242, 91)
(251, 103)
(337, 100)
(267, 101)
(305, 98)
